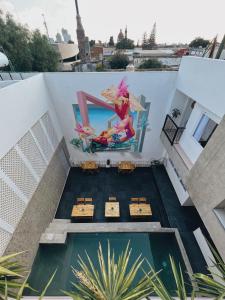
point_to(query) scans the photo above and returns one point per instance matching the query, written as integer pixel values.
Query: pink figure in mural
(122, 108)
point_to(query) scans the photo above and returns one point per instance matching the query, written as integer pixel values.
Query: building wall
(22, 105)
(177, 170)
(206, 185)
(202, 79)
(190, 146)
(157, 87)
(30, 135)
(41, 209)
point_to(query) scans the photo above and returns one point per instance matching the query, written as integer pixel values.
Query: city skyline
(176, 23)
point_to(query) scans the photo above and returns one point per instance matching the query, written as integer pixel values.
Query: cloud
(7, 7)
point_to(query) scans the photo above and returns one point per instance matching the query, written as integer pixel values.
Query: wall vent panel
(14, 167)
(11, 206)
(47, 122)
(4, 240)
(32, 153)
(42, 140)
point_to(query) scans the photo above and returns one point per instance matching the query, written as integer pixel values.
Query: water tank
(3, 60)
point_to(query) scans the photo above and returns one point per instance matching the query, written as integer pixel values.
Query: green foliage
(12, 283)
(125, 44)
(92, 43)
(14, 38)
(119, 61)
(160, 289)
(111, 41)
(114, 281)
(28, 51)
(44, 57)
(151, 64)
(10, 274)
(208, 286)
(199, 42)
(76, 142)
(100, 68)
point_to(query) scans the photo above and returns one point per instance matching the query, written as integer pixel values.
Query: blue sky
(177, 20)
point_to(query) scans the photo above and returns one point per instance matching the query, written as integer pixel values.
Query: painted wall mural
(117, 123)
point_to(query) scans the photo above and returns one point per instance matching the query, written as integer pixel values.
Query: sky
(178, 21)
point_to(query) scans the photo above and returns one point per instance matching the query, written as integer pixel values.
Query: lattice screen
(50, 129)
(11, 206)
(14, 167)
(42, 140)
(4, 239)
(31, 151)
(20, 169)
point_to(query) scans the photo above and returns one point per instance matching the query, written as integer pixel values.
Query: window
(204, 130)
(220, 213)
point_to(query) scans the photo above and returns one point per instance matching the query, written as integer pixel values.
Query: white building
(37, 125)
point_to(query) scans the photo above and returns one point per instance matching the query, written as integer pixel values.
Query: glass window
(204, 130)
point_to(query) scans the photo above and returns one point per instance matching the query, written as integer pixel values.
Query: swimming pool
(155, 247)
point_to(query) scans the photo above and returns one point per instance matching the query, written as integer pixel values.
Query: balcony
(172, 131)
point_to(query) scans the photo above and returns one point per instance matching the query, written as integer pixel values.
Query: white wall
(188, 143)
(157, 87)
(202, 79)
(22, 104)
(182, 195)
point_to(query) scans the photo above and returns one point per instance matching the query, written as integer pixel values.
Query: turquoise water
(99, 117)
(155, 247)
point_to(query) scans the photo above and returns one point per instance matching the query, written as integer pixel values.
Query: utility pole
(221, 48)
(46, 27)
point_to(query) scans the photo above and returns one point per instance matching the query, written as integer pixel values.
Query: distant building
(167, 57)
(96, 53)
(58, 38)
(120, 36)
(66, 35)
(68, 55)
(83, 41)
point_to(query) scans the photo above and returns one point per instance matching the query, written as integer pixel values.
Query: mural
(117, 123)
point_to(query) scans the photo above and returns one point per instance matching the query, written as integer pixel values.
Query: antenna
(46, 27)
(77, 7)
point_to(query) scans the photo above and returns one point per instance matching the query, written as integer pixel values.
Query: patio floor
(152, 183)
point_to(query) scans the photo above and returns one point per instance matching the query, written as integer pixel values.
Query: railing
(172, 131)
(5, 76)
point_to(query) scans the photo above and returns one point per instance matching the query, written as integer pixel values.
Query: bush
(199, 42)
(151, 64)
(100, 68)
(119, 61)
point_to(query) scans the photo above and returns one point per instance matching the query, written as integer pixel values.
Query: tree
(111, 41)
(92, 43)
(199, 42)
(144, 41)
(28, 51)
(14, 39)
(125, 44)
(119, 61)
(44, 57)
(151, 64)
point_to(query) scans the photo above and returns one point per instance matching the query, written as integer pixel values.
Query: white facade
(201, 82)
(155, 86)
(29, 106)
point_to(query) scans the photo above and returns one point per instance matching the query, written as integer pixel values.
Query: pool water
(155, 247)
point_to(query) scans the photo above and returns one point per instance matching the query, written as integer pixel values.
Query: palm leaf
(114, 281)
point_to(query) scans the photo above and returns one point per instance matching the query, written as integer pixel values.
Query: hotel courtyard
(89, 158)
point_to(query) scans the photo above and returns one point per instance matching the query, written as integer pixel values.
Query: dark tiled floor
(152, 183)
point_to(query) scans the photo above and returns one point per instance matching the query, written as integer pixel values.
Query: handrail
(172, 131)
